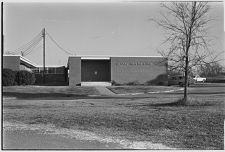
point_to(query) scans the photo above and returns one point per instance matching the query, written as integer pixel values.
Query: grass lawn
(48, 91)
(200, 126)
(140, 89)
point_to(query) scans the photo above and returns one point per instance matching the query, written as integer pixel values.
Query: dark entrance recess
(95, 70)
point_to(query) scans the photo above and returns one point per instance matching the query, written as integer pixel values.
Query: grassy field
(48, 91)
(199, 126)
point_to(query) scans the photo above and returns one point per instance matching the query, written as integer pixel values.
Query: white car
(197, 78)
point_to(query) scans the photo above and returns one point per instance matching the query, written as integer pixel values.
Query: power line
(26, 47)
(30, 46)
(27, 44)
(58, 44)
(31, 49)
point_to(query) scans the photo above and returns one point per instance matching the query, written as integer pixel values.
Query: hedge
(8, 77)
(24, 78)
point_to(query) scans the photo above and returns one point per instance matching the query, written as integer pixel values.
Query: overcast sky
(121, 28)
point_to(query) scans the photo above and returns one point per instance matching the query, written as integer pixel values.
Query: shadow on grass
(62, 96)
(39, 95)
(175, 103)
(171, 104)
(198, 93)
(179, 103)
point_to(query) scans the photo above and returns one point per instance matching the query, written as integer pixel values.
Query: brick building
(121, 70)
(93, 70)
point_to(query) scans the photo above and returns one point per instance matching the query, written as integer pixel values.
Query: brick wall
(140, 69)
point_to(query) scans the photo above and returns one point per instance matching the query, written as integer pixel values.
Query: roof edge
(109, 56)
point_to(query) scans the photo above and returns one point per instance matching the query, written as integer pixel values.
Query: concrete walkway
(105, 91)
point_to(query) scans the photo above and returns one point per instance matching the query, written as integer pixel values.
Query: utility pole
(43, 35)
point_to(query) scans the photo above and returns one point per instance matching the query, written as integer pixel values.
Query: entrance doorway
(95, 70)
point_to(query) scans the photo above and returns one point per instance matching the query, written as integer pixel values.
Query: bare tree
(185, 26)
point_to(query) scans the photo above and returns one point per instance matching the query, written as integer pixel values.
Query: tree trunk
(185, 100)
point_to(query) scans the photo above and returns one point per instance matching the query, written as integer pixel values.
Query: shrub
(161, 79)
(114, 83)
(25, 78)
(133, 83)
(8, 77)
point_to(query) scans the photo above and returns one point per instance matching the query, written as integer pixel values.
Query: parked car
(197, 78)
(179, 80)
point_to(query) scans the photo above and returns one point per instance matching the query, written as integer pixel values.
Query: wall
(140, 69)
(74, 71)
(11, 62)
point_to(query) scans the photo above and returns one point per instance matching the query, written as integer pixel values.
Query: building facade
(17, 63)
(119, 70)
(89, 69)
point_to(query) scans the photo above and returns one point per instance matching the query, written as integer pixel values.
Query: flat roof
(50, 66)
(103, 57)
(95, 58)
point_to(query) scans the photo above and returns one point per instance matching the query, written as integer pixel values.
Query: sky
(110, 29)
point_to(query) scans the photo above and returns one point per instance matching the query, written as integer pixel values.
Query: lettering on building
(139, 63)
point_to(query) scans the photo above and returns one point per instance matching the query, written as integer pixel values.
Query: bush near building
(24, 78)
(133, 83)
(114, 83)
(8, 77)
(161, 79)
